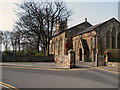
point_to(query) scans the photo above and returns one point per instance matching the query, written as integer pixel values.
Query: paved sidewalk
(47, 65)
(107, 68)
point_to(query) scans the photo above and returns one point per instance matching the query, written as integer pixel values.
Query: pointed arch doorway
(80, 54)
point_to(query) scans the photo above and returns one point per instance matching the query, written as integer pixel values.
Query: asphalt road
(31, 78)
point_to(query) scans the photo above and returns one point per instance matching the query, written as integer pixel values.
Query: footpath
(47, 65)
(115, 69)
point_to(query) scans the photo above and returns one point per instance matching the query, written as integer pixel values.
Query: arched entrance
(80, 54)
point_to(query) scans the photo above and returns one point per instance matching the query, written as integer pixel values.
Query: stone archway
(80, 54)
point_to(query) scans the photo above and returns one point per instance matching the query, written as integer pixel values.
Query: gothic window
(108, 39)
(75, 46)
(52, 46)
(113, 38)
(118, 40)
(60, 46)
(56, 46)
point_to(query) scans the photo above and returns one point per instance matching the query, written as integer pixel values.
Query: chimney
(85, 19)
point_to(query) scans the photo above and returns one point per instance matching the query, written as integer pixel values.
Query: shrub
(7, 52)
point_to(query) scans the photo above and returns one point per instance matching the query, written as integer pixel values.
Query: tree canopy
(37, 21)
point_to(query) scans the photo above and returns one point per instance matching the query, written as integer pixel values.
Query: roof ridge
(72, 27)
(95, 26)
(80, 24)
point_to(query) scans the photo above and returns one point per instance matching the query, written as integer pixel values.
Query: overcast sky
(93, 10)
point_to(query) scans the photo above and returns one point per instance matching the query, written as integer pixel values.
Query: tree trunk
(15, 47)
(48, 47)
(38, 42)
(43, 51)
(19, 45)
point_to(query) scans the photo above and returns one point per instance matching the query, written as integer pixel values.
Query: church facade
(89, 42)
(61, 42)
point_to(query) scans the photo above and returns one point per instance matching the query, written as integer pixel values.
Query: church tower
(61, 25)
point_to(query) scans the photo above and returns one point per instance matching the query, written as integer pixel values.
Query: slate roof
(72, 28)
(93, 27)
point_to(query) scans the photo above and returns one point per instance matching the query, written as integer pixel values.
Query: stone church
(89, 42)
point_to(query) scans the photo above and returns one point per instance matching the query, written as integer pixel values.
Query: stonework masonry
(88, 42)
(58, 42)
(67, 61)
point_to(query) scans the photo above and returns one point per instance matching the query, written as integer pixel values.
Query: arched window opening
(113, 38)
(118, 40)
(75, 46)
(108, 39)
(60, 44)
(59, 47)
(56, 46)
(80, 54)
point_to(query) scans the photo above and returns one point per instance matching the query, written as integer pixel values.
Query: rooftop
(94, 27)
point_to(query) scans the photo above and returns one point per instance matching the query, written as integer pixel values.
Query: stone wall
(61, 59)
(67, 61)
(113, 64)
(27, 58)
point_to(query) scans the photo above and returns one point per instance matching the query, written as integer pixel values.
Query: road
(35, 78)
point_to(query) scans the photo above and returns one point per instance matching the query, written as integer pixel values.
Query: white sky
(95, 12)
(7, 15)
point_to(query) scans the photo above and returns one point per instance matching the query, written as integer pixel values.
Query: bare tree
(6, 40)
(38, 19)
(1, 38)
